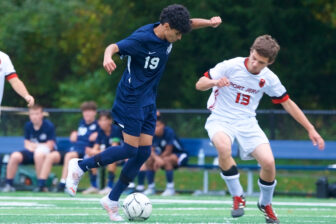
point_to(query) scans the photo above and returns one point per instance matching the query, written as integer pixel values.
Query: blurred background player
(237, 86)
(109, 134)
(7, 71)
(84, 137)
(134, 109)
(167, 153)
(39, 140)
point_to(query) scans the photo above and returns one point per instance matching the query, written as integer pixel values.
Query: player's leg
(141, 178)
(93, 181)
(169, 165)
(52, 158)
(111, 169)
(14, 160)
(263, 154)
(39, 158)
(150, 174)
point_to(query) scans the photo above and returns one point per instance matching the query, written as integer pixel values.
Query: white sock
(233, 184)
(266, 193)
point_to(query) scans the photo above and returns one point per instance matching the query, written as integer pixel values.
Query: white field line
(164, 201)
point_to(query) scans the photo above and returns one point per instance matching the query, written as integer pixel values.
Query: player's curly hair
(177, 16)
(267, 47)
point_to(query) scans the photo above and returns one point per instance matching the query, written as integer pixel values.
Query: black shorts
(28, 156)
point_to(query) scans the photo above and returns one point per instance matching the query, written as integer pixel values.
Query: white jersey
(6, 71)
(241, 98)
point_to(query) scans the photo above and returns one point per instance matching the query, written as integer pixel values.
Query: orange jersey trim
(207, 74)
(13, 75)
(280, 100)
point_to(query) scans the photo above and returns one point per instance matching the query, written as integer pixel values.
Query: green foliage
(57, 47)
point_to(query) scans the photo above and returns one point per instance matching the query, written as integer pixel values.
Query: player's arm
(21, 89)
(93, 136)
(299, 116)
(108, 63)
(50, 144)
(168, 150)
(31, 146)
(73, 136)
(197, 23)
(205, 83)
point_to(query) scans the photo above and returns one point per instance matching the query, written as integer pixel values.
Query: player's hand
(30, 100)
(109, 65)
(316, 139)
(222, 82)
(215, 21)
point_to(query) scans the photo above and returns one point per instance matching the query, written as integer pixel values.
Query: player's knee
(16, 157)
(268, 165)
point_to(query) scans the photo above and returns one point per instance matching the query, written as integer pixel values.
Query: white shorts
(246, 132)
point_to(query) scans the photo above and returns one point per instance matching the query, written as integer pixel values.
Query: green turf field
(25, 207)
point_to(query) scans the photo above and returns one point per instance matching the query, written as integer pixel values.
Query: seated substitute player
(147, 50)
(167, 153)
(109, 134)
(39, 140)
(7, 71)
(237, 86)
(84, 137)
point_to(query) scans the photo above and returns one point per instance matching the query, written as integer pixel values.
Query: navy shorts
(135, 120)
(79, 147)
(28, 156)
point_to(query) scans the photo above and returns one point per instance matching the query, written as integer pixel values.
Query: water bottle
(201, 156)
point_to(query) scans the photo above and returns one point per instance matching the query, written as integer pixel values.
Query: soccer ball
(137, 207)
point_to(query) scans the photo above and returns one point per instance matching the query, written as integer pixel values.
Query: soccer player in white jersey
(237, 87)
(7, 71)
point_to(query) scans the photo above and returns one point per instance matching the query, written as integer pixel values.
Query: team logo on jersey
(262, 83)
(93, 127)
(43, 137)
(169, 48)
(82, 131)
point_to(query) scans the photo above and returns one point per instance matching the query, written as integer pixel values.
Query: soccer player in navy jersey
(39, 140)
(147, 50)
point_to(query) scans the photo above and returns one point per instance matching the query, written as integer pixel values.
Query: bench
(282, 149)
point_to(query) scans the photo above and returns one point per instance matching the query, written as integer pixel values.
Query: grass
(26, 207)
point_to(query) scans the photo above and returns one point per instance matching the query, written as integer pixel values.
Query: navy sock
(169, 176)
(108, 156)
(61, 185)
(93, 180)
(130, 171)
(9, 181)
(150, 176)
(110, 181)
(41, 183)
(141, 177)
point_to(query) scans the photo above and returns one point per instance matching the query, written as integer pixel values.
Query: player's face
(256, 62)
(172, 35)
(159, 128)
(89, 115)
(36, 116)
(104, 123)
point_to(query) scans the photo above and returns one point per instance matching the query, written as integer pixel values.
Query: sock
(108, 156)
(41, 183)
(266, 192)
(62, 181)
(93, 180)
(141, 177)
(110, 181)
(231, 178)
(61, 185)
(169, 176)
(150, 176)
(10, 182)
(130, 171)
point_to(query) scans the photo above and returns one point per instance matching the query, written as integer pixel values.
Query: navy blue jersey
(147, 56)
(114, 136)
(84, 131)
(44, 134)
(168, 138)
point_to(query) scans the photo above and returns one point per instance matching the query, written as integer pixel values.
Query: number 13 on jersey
(243, 99)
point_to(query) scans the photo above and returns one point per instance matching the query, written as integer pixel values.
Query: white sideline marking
(164, 201)
(21, 204)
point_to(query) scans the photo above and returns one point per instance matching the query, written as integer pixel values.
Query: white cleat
(168, 192)
(112, 208)
(105, 191)
(149, 191)
(74, 175)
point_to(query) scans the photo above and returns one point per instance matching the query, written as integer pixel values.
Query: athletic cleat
(41, 189)
(105, 191)
(8, 188)
(149, 191)
(238, 206)
(74, 175)
(91, 190)
(112, 208)
(270, 215)
(168, 192)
